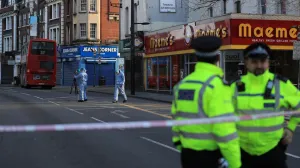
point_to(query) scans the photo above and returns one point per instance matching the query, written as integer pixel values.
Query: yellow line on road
(148, 111)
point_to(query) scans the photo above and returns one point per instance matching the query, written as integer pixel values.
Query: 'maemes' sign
(248, 31)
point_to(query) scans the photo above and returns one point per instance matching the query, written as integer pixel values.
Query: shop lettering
(219, 32)
(67, 50)
(162, 42)
(246, 30)
(102, 49)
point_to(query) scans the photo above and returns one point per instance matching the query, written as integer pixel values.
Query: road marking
(294, 156)
(160, 144)
(148, 111)
(91, 109)
(54, 103)
(26, 94)
(74, 110)
(116, 112)
(97, 119)
(38, 97)
(103, 122)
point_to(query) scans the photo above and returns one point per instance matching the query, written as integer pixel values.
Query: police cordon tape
(137, 124)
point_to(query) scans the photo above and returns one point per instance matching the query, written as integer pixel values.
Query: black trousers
(196, 159)
(275, 158)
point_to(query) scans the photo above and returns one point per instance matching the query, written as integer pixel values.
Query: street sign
(296, 50)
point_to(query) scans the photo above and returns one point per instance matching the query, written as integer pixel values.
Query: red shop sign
(272, 32)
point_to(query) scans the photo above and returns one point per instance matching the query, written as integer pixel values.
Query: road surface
(147, 148)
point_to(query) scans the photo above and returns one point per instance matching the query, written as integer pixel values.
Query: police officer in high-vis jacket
(203, 94)
(263, 141)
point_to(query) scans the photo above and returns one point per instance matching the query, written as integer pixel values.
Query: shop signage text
(70, 50)
(102, 49)
(219, 32)
(246, 30)
(162, 41)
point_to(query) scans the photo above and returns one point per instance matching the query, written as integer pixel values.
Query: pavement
(135, 148)
(159, 97)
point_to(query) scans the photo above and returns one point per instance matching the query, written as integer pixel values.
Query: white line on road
(121, 115)
(38, 97)
(294, 156)
(90, 109)
(160, 144)
(103, 122)
(97, 119)
(54, 103)
(26, 94)
(73, 110)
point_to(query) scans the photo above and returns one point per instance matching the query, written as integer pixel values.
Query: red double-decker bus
(38, 63)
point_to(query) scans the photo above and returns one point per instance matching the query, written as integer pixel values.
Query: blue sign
(69, 51)
(103, 51)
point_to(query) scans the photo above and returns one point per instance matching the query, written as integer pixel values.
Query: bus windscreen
(43, 48)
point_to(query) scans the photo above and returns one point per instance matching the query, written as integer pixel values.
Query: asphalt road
(138, 148)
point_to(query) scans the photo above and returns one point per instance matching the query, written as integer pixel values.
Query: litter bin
(102, 81)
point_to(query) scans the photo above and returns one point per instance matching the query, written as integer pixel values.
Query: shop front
(100, 64)
(169, 57)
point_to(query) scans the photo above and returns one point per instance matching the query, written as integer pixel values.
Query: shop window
(177, 69)
(152, 73)
(282, 63)
(164, 73)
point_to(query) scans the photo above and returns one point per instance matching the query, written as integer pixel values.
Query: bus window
(43, 48)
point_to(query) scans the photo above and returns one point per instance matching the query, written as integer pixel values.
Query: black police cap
(257, 50)
(206, 43)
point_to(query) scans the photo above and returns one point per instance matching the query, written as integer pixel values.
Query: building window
(8, 22)
(93, 29)
(210, 10)
(7, 43)
(224, 6)
(83, 5)
(54, 34)
(127, 21)
(82, 30)
(238, 6)
(74, 6)
(281, 7)
(20, 20)
(20, 41)
(54, 11)
(263, 6)
(75, 32)
(92, 5)
(24, 19)
(113, 17)
(28, 34)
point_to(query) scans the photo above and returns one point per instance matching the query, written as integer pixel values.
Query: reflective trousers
(82, 92)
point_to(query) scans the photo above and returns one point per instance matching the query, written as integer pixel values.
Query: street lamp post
(94, 81)
(132, 48)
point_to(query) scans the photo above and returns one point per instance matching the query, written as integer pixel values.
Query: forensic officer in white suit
(82, 79)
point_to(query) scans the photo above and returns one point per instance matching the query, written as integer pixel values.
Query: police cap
(257, 51)
(206, 46)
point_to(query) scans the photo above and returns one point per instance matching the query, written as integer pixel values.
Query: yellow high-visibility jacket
(203, 94)
(250, 96)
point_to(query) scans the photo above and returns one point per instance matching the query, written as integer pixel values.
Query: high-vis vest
(265, 93)
(203, 94)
